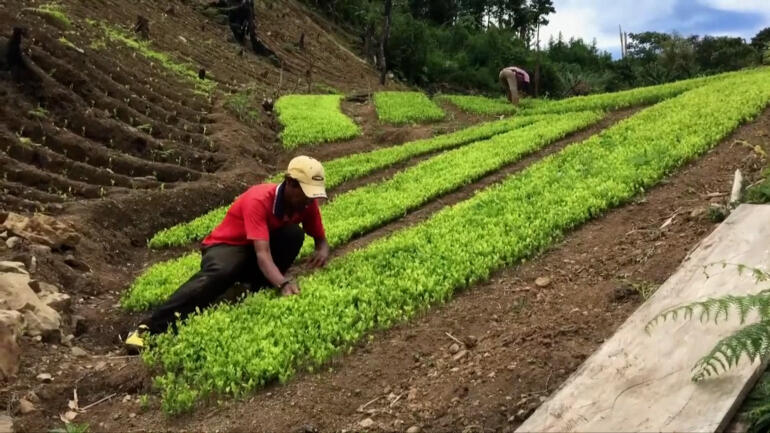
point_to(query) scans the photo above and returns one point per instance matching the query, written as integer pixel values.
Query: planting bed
(313, 119)
(394, 278)
(516, 352)
(406, 107)
(119, 138)
(480, 104)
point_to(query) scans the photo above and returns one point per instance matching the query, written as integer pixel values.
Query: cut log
(642, 382)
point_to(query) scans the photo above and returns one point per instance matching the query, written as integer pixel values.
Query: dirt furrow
(45, 159)
(522, 340)
(426, 211)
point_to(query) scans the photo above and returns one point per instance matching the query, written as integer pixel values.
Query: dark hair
(290, 180)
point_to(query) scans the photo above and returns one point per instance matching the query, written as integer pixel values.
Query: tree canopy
(460, 45)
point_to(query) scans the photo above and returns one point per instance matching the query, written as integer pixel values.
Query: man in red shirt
(261, 228)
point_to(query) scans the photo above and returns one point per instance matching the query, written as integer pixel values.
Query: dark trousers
(222, 266)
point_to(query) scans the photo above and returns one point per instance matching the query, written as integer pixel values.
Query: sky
(589, 19)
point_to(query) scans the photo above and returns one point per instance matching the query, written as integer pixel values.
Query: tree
(438, 12)
(539, 11)
(647, 46)
(766, 55)
(388, 13)
(722, 53)
(678, 58)
(760, 41)
(475, 10)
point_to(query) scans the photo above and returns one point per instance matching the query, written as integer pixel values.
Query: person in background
(513, 79)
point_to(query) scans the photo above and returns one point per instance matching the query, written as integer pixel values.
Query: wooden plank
(639, 382)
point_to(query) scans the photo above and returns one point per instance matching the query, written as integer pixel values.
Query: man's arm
(271, 271)
(321, 253)
(313, 226)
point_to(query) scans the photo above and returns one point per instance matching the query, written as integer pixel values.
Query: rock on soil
(76, 351)
(366, 422)
(26, 406)
(460, 355)
(12, 242)
(16, 293)
(543, 281)
(41, 229)
(14, 267)
(11, 323)
(76, 264)
(413, 429)
(40, 250)
(44, 377)
(6, 424)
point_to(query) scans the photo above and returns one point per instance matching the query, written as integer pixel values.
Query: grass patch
(243, 105)
(760, 193)
(38, 112)
(67, 43)
(184, 71)
(325, 88)
(313, 119)
(53, 13)
(406, 107)
(480, 104)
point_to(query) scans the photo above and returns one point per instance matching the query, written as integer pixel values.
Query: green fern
(752, 341)
(756, 408)
(717, 309)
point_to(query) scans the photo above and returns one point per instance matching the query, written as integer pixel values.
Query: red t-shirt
(256, 212)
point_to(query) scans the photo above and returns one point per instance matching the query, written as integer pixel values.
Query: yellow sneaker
(135, 340)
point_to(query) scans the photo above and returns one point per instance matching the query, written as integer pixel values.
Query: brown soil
(516, 353)
(119, 148)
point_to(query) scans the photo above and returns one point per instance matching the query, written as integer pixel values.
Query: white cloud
(599, 19)
(589, 19)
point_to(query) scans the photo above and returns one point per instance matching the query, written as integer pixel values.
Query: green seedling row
(234, 349)
(480, 104)
(616, 100)
(313, 119)
(358, 165)
(363, 209)
(406, 107)
(366, 208)
(352, 167)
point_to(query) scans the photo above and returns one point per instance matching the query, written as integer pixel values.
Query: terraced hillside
(99, 112)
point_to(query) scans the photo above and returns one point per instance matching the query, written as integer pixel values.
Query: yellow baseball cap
(310, 175)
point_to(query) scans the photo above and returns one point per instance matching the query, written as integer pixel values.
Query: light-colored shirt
(521, 73)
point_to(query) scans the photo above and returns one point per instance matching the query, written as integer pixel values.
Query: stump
(142, 27)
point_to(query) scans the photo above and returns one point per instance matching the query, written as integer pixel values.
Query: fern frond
(717, 309)
(760, 275)
(751, 341)
(756, 409)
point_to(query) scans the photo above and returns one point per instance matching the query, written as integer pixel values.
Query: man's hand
(321, 254)
(290, 289)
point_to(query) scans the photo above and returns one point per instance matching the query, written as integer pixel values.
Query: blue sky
(599, 19)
